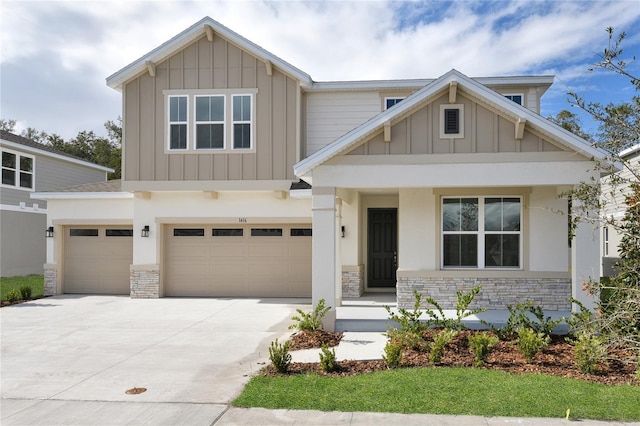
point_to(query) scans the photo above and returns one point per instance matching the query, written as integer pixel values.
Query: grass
(36, 282)
(461, 391)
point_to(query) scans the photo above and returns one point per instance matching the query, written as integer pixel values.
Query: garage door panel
(300, 250)
(228, 251)
(270, 250)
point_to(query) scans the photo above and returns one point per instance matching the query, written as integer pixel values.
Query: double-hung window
(241, 121)
(517, 98)
(178, 122)
(17, 170)
(210, 122)
(481, 232)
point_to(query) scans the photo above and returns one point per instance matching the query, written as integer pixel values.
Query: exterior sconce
(145, 231)
(342, 231)
(49, 232)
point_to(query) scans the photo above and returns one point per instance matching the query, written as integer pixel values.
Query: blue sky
(56, 54)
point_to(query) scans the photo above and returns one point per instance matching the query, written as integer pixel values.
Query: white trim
(18, 171)
(300, 193)
(25, 209)
(80, 195)
(37, 151)
(629, 151)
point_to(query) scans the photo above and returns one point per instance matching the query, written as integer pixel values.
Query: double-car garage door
(248, 260)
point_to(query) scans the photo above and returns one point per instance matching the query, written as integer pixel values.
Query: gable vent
(451, 121)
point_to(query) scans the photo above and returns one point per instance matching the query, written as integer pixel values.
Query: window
(178, 128)
(266, 232)
(227, 232)
(241, 121)
(17, 170)
(389, 102)
(301, 232)
(209, 122)
(74, 232)
(481, 232)
(188, 232)
(451, 121)
(515, 98)
(119, 233)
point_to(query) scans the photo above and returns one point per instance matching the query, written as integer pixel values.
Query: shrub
(589, 351)
(328, 359)
(280, 356)
(407, 320)
(392, 354)
(409, 339)
(12, 295)
(25, 292)
(530, 342)
(440, 341)
(580, 321)
(481, 344)
(310, 321)
(463, 301)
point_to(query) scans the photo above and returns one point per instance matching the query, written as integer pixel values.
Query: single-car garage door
(97, 259)
(249, 260)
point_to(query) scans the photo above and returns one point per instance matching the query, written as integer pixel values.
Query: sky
(56, 55)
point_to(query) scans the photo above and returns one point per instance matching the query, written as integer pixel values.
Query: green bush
(463, 301)
(328, 359)
(392, 354)
(13, 295)
(481, 344)
(280, 356)
(310, 321)
(25, 292)
(589, 351)
(409, 321)
(440, 341)
(530, 342)
(409, 339)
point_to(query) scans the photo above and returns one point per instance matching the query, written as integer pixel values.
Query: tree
(7, 125)
(619, 128)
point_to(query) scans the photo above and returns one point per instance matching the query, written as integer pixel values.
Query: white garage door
(97, 259)
(249, 260)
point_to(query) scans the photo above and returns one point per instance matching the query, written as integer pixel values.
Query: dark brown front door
(382, 247)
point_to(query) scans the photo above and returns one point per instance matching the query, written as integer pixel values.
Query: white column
(325, 268)
(585, 261)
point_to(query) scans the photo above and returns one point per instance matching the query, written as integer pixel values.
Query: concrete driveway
(70, 359)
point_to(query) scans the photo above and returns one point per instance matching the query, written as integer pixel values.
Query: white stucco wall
(417, 227)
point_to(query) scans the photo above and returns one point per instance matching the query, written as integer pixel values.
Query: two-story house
(242, 176)
(27, 167)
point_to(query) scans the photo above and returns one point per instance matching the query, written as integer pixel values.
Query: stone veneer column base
(497, 293)
(50, 279)
(145, 281)
(353, 281)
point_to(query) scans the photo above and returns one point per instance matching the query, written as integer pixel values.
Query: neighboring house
(28, 166)
(434, 185)
(615, 207)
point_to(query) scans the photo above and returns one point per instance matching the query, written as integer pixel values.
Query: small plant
(328, 359)
(530, 342)
(310, 321)
(589, 351)
(25, 292)
(481, 344)
(409, 339)
(580, 321)
(440, 341)
(464, 300)
(12, 295)
(392, 354)
(545, 325)
(407, 320)
(280, 356)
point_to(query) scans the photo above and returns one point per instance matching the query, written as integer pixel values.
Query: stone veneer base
(353, 281)
(50, 279)
(497, 293)
(145, 281)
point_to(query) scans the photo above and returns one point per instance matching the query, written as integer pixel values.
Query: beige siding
(485, 131)
(204, 65)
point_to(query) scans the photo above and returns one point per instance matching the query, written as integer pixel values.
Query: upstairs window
(241, 121)
(209, 122)
(178, 125)
(389, 102)
(17, 170)
(451, 121)
(517, 98)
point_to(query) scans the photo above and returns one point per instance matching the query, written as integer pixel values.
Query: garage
(97, 259)
(235, 261)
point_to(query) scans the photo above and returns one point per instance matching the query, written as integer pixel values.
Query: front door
(382, 247)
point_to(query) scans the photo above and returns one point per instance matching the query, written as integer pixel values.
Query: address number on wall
(242, 219)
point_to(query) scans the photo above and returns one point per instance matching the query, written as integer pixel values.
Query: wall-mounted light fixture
(343, 231)
(49, 232)
(145, 231)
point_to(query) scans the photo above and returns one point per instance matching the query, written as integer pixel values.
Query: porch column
(585, 261)
(326, 252)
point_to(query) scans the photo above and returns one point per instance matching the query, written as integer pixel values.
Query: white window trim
(169, 123)
(17, 171)
(251, 123)
(514, 94)
(196, 122)
(399, 98)
(460, 134)
(481, 233)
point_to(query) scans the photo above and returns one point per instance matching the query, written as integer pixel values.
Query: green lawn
(463, 391)
(36, 282)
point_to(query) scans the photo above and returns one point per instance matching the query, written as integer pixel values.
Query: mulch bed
(556, 359)
(7, 303)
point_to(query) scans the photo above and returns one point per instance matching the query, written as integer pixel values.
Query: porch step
(376, 319)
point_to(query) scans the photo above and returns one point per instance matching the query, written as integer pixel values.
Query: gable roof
(33, 147)
(193, 33)
(435, 88)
